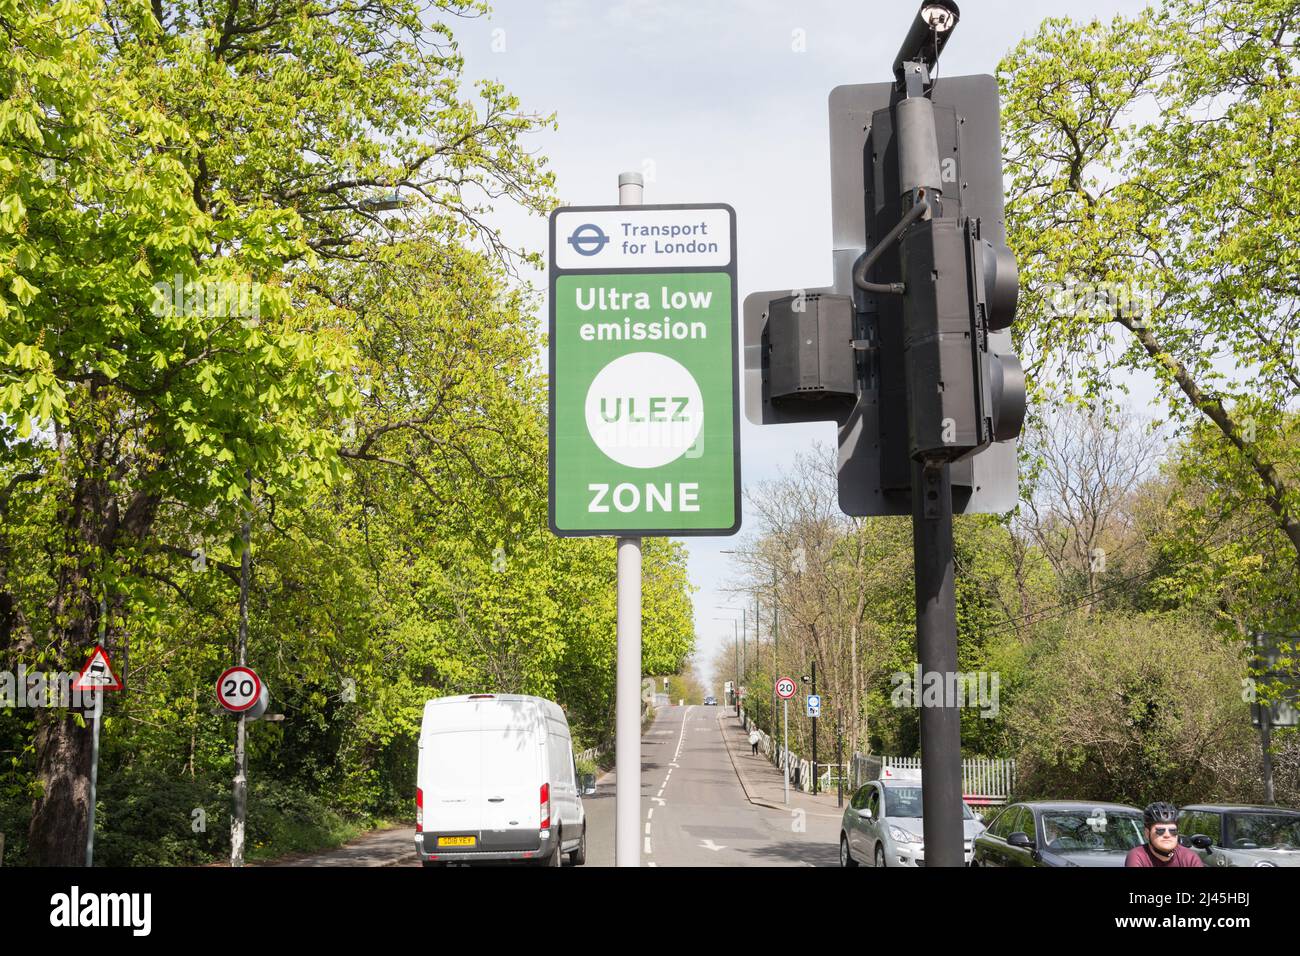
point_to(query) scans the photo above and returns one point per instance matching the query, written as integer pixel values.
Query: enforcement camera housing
(929, 34)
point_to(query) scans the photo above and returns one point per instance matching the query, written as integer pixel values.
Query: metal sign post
(785, 757)
(240, 789)
(785, 689)
(644, 428)
(96, 677)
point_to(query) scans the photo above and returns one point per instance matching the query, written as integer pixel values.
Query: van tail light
(546, 806)
(419, 810)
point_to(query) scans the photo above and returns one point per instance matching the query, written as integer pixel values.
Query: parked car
(496, 780)
(710, 702)
(882, 825)
(1060, 833)
(1227, 835)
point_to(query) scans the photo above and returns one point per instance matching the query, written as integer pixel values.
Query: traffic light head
(961, 393)
(942, 347)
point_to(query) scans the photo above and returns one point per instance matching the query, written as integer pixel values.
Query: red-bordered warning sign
(98, 673)
(238, 688)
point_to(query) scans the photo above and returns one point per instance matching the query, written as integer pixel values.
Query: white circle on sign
(785, 688)
(238, 688)
(644, 410)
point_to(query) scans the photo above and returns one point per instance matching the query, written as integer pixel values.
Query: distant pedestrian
(754, 738)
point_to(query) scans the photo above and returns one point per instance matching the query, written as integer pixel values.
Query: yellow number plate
(456, 841)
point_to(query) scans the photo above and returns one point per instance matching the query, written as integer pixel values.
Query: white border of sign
(257, 681)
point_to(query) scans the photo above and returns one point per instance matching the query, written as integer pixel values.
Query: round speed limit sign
(238, 689)
(785, 688)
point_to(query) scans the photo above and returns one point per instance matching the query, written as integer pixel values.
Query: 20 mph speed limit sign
(238, 689)
(785, 688)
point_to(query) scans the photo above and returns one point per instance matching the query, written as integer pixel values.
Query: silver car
(1227, 835)
(882, 826)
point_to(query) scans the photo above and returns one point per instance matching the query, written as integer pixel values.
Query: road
(694, 811)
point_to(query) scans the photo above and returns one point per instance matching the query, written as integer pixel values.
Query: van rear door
(451, 764)
(511, 760)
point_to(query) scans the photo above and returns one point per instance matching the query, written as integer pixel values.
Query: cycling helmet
(1159, 812)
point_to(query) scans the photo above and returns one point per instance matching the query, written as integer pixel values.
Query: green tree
(1153, 210)
(154, 157)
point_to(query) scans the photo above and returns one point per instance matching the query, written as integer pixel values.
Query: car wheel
(880, 855)
(579, 856)
(846, 855)
(557, 855)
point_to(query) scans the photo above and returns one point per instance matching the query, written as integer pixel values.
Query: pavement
(394, 847)
(761, 779)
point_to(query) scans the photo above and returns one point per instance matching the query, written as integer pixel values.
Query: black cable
(869, 260)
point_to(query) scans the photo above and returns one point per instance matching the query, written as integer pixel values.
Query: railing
(797, 769)
(985, 781)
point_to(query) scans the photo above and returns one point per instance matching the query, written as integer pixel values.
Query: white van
(497, 781)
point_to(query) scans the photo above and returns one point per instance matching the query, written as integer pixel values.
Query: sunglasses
(1161, 831)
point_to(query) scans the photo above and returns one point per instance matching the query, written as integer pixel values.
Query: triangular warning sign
(98, 673)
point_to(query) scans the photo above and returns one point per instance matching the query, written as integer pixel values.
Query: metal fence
(985, 781)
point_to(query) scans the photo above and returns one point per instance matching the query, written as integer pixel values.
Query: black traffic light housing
(876, 440)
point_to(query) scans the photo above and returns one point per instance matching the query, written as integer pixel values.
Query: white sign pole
(627, 681)
(785, 759)
(240, 789)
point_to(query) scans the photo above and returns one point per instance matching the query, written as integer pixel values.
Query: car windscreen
(903, 802)
(1075, 830)
(1252, 831)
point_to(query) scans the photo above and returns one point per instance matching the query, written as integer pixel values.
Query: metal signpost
(785, 689)
(96, 677)
(644, 407)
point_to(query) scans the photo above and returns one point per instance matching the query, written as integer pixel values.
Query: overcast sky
(720, 101)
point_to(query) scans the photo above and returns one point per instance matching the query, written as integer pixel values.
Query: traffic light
(917, 365)
(907, 351)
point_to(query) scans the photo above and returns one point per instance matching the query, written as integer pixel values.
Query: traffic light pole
(627, 680)
(932, 543)
(936, 651)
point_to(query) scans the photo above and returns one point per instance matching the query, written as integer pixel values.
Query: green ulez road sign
(644, 427)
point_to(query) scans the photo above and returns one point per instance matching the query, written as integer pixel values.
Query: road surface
(694, 811)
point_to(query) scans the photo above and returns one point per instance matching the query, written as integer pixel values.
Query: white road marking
(661, 800)
(660, 793)
(647, 845)
(710, 845)
(647, 828)
(649, 813)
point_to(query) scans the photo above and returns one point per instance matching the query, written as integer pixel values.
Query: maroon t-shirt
(1142, 856)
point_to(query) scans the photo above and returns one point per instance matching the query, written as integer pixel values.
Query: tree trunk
(60, 816)
(853, 692)
(57, 836)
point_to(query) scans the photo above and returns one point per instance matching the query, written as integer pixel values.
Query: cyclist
(1160, 821)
